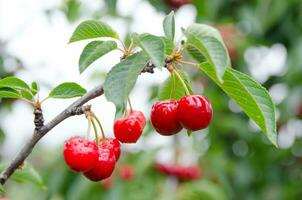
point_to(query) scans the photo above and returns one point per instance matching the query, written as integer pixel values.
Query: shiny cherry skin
(103, 167)
(139, 115)
(194, 112)
(128, 129)
(112, 143)
(164, 117)
(177, 3)
(80, 154)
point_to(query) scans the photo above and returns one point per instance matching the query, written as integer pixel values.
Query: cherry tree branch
(76, 108)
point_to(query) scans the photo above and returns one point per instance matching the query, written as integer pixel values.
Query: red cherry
(126, 172)
(112, 143)
(104, 166)
(177, 3)
(80, 154)
(164, 117)
(128, 129)
(187, 173)
(139, 115)
(194, 112)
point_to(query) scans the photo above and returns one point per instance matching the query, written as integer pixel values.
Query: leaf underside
(253, 99)
(122, 77)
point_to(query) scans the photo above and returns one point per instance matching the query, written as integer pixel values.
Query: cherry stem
(88, 129)
(95, 131)
(101, 127)
(130, 104)
(182, 82)
(189, 132)
(172, 92)
(188, 63)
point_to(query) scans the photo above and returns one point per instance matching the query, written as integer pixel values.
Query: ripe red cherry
(112, 143)
(128, 129)
(139, 115)
(194, 112)
(164, 117)
(177, 3)
(80, 154)
(127, 172)
(103, 167)
(187, 173)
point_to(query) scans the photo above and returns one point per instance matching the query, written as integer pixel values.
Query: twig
(41, 130)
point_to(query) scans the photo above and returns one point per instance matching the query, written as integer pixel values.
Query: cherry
(183, 173)
(194, 112)
(177, 3)
(112, 143)
(80, 154)
(126, 172)
(164, 117)
(128, 129)
(104, 166)
(186, 173)
(139, 115)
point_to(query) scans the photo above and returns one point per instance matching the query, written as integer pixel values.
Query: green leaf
(67, 90)
(13, 82)
(169, 46)
(27, 95)
(173, 89)
(128, 40)
(122, 77)
(28, 174)
(34, 88)
(93, 51)
(169, 26)
(9, 93)
(209, 42)
(203, 30)
(92, 29)
(2, 190)
(214, 51)
(253, 99)
(153, 46)
(195, 53)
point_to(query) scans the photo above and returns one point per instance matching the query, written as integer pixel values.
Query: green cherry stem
(95, 131)
(88, 129)
(182, 82)
(130, 104)
(101, 127)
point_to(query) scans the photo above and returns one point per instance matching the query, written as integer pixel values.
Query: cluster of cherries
(183, 173)
(192, 112)
(97, 159)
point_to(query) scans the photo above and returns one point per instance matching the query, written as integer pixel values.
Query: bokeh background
(234, 159)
